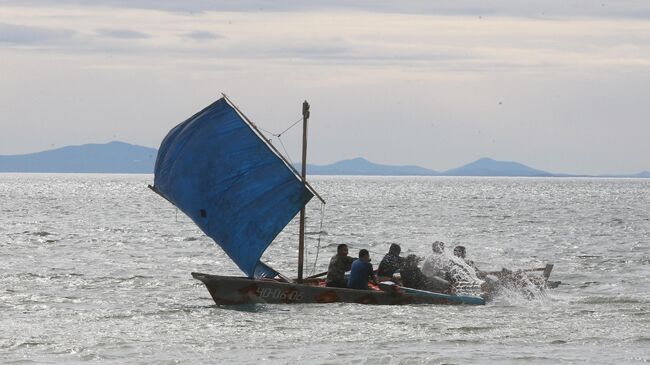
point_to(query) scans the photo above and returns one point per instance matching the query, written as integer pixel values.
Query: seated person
(462, 274)
(361, 272)
(391, 263)
(412, 277)
(460, 252)
(437, 264)
(339, 264)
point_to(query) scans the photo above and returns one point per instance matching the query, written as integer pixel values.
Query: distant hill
(481, 167)
(120, 157)
(643, 174)
(113, 157)
(361, 166)
(489, 167)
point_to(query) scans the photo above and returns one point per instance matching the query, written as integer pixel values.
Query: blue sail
(217, 170)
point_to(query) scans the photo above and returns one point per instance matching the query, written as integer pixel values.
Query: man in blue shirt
(361, 272)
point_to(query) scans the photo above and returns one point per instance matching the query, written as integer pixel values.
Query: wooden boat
(228, 290)
(219, 170)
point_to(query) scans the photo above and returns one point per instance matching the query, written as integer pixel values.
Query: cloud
(419, 43)
(31, 35)
(202, 35)
(637, 9)
(121, 33)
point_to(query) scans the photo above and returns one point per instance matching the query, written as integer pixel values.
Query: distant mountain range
(481, 167)
(489, 167)
(120, 157)
(113, 157)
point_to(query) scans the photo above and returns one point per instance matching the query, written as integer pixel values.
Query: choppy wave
(612, 300)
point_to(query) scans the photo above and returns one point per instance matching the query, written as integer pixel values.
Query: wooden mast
(301, 237)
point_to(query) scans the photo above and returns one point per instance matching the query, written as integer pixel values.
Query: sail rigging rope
(281, 133)
(279, 137)
(291, 126)
(285, 151)
(320, 233)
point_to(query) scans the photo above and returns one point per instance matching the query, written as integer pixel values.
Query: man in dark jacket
(391, 263)
(339, 264)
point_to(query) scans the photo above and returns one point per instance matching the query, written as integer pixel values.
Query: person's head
(438, 247)
(394, 249)
(412, 260)
(460, 251)
(364, 255)
(342, 249)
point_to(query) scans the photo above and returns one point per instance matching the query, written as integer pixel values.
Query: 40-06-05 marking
(278, 294)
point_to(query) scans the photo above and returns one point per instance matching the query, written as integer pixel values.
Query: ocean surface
(96, 269)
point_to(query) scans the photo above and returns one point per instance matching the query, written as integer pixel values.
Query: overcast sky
(559, 85)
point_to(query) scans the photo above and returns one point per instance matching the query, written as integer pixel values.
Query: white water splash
(524, 289)
(519, 287)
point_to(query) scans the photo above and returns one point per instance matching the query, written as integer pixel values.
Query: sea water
(96, 268)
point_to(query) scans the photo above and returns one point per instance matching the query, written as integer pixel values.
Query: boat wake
(524, 291)
(507, 286)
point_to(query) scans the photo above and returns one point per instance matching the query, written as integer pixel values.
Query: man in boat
(413, 277)
(391, 263)
(461, 252)
(339, 264)
(437, 264)
(462, 273)
(362, 272)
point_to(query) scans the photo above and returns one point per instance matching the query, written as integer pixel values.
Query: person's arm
(348, 263)
(426, 268)
(372, 275)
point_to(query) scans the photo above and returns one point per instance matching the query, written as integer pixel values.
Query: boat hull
(229, 290)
